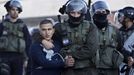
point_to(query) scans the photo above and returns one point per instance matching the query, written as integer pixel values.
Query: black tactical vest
(12, 39)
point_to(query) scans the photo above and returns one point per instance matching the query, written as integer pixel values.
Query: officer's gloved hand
(69, 61)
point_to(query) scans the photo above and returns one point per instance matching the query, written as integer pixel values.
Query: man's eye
(50, 29)
(43, 29)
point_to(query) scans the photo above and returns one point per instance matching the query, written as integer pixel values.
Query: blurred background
(36, 10)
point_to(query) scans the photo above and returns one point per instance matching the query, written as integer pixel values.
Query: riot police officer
(106, 53)
(126, 35)
(14, 39)
(79, 38)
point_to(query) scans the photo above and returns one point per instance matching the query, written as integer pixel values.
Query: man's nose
(76, 15)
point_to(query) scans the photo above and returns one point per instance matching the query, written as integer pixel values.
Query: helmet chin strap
(100, 20)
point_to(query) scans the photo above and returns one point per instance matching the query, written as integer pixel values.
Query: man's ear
(54, 29)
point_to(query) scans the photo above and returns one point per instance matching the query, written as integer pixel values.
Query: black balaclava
(75, 21)
(100, 20)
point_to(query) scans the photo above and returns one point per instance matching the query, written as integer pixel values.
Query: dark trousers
(107, 71)
(82, 71)
(14, 60)
(29, 68)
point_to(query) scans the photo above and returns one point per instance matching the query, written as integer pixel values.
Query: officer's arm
(27, 38)
(88, 50)
(120, 48)
(119, 42)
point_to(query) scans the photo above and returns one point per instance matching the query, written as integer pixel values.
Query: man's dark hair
(45, 21)
(36, 34)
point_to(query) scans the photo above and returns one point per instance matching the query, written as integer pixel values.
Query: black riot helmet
(99, 12)
(79, 6)
(13, 3)
(128, 12)
(120, 16)
(76, 5)
(100, 5)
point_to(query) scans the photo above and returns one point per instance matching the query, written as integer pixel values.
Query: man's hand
(47, 44)
(69, 61)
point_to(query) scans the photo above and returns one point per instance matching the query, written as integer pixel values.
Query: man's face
(14, 12)
(47, 31)
(126, 21)
(100, 11)
(75, 14)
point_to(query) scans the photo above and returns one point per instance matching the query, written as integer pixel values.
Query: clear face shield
(76, 6)
(120, 17)
(126, 13)
(100, 11)
(116, 22)
(100, 7)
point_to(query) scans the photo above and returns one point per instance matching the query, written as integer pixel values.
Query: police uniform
(82, 46)
(79, 38)
(126, 35)
(15, 42)
(107, 59)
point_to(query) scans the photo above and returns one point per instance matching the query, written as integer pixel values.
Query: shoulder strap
(107, 37)
(85, 29)
(112, 36)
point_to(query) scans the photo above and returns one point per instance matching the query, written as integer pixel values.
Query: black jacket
(123, 35)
